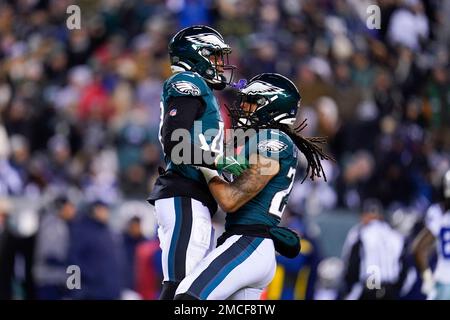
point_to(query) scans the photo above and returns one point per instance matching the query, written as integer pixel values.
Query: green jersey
(267, 206)
(207, 131)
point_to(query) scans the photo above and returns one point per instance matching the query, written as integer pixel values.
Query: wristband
(208, 173)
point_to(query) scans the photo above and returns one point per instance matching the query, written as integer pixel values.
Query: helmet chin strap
(217, 84)
(180, 66)
(177, 69)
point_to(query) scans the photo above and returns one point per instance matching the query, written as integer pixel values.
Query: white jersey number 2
(280, 199)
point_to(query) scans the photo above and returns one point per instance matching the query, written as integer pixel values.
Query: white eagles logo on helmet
(261, 87)
(185, 87)
(207, 39)
(272, 145)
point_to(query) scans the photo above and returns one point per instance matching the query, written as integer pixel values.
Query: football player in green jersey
(244, 261)
(189, 110)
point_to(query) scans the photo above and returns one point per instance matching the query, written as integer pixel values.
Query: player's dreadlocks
(311, 147)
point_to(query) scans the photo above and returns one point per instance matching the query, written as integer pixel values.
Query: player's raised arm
(232, 196)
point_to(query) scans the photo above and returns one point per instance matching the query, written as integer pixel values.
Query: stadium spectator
(17, 252)
(5, 210)
(412, 18)
(132, 238)
(149, 269)
(52, 249)
(98, 252)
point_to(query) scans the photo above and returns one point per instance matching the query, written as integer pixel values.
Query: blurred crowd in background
(79, 118)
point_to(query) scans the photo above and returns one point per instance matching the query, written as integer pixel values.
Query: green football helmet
(190, 50)
(277, 101)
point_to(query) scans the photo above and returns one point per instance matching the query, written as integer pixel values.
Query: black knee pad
(185, 296)
(168, 290)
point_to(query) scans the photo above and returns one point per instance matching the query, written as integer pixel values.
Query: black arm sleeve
(186, 111)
